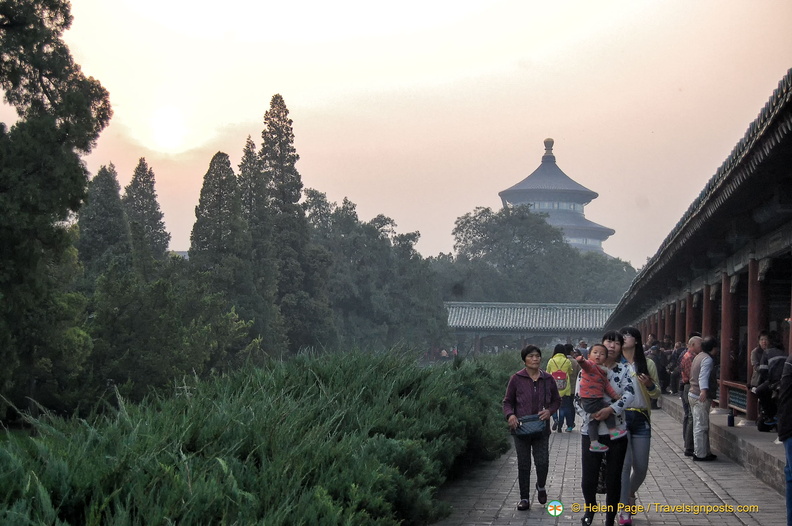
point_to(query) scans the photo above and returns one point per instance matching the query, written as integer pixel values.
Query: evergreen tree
(514, 255)
(382, 292)
(104, 231)
(149, 334)
(53, 347)
(301, 294)
(219, 228)
(42, 178)
(256, 212)
(220, 240)
(149, 237)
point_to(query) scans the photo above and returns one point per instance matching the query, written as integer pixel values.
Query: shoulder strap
(546, 401)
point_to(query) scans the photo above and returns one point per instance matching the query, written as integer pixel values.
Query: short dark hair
(775, 340)
(708, 344)
(529, 349)
(559, 349)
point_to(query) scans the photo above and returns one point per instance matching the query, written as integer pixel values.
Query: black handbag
(530, 426)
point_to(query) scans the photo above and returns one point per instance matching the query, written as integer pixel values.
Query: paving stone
(487, 493)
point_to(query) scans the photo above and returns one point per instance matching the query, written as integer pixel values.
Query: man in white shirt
(702, 389)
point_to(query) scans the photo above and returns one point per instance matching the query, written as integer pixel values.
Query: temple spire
(548, 155)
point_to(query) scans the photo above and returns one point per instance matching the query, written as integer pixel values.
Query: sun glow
(168, 130)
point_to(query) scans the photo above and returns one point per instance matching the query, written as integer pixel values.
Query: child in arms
(594, 385)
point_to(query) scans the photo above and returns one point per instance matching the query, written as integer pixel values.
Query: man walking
(685, 362)
(700, 398)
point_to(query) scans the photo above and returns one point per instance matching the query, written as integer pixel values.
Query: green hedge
(352, 438)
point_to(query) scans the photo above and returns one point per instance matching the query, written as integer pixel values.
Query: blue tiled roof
(545, 317)
(548, 178)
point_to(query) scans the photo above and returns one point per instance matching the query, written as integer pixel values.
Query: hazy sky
(422, 110)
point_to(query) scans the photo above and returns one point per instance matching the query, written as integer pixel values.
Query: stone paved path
(487, 493)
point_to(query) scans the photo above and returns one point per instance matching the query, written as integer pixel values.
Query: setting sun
(168, 130)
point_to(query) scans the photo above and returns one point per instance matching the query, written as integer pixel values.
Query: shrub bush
(353, 438)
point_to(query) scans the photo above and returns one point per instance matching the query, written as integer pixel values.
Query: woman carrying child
(594, 386)
(620, 379)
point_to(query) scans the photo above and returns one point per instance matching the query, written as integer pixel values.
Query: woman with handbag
(620, 379)
(531, 400)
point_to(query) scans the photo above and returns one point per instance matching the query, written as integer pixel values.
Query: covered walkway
(487, 493)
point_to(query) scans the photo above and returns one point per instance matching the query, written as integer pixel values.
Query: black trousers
(591, 465)
(540, 447)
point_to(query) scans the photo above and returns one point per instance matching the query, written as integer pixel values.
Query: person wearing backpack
(560, 368)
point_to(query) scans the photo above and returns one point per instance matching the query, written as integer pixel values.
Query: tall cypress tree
(104, 231)
(301, 292)
(255, 210)
(220, 240)
(143, 212)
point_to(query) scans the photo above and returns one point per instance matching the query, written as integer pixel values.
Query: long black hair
(639, 358)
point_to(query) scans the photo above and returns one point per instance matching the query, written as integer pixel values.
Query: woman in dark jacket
(531, 391)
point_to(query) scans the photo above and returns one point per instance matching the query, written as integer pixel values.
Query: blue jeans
(788, 473)
(566, 412)
(636, 461)
(566, 403)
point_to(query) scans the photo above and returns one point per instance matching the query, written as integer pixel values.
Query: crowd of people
(612, 386)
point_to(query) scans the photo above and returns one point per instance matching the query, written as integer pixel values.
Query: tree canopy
(42, 179)
(514, 255)
(146, 223)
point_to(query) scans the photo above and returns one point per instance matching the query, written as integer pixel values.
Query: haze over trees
(514, 255)
(92, 303)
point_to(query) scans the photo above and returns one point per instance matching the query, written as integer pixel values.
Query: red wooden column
(669, 324)
(679, 323)
(756, 323)
(659, 329)
(689, 315)
(706, 312)
(729, 336)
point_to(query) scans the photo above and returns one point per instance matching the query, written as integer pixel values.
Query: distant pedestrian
(531, 391)
(560, 368)
(701, 390)
(770, 370)
(583, 348)
(685, 363)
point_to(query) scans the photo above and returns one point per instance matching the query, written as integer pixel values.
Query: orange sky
(424, 110)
